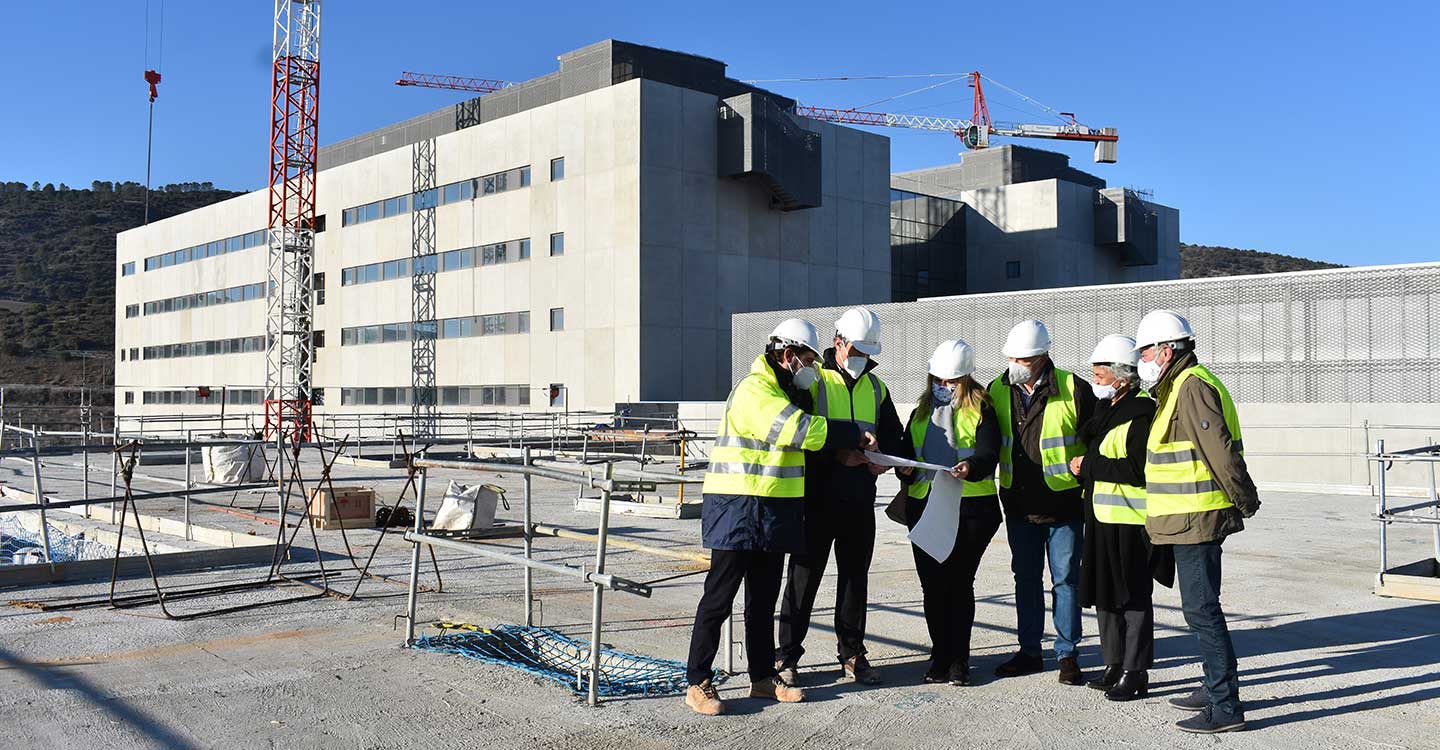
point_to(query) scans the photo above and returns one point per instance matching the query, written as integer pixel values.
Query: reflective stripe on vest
(759, 450)
(1058, 442)
(835, 400)
(967, 423)
(1115, 502)
(1176, 479)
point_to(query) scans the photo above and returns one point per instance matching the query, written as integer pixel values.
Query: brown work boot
(775, 689)
(704, 699)
(788, 673)
(858, 669)
(1070, 673)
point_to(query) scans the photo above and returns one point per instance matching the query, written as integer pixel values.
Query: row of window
(233, 396)
(453, 260)
(243, 293)
(472, 395)
(510, 179)
(449, 328)
(257, 238)
(240, 345)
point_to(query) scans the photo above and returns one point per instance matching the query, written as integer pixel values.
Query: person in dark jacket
(953, 425)
(1119, 563)
(1040, 408)
(754, 505)
(840, 501)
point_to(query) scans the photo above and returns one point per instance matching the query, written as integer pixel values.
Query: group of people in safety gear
(1133, 477)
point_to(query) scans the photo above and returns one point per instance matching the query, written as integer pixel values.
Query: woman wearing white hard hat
(953, 425)
(1119, 563)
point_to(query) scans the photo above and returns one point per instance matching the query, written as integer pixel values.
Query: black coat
(1119, 562)
(827, 479)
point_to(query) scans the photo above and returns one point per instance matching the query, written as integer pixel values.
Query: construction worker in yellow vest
(840, 500)
(1197, 488)
(1039, 408)
(754, 508)
(1119, 566)
(953, 425)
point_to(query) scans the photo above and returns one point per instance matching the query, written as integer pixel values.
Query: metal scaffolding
(422, 286)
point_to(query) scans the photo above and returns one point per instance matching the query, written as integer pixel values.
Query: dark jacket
(828, 479)
(1200, 418)
(1118, 561)
(1028, 496)
(982, 464)
(748, 522)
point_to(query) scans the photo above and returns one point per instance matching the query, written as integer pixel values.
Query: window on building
(128, 269)
(557, 318)
(319, 288)
(557, 243)
(317, 339)
(525, 248)
(557, 169)
(132, 311)
(129, 397)
(1012, 269)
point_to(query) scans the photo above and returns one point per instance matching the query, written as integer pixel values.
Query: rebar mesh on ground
(564, 660)
(15, 537)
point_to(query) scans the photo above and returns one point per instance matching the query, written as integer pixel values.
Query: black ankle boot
(1132, 685)
(1108, 679)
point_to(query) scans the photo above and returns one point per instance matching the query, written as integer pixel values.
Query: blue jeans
(1030, 545)
(1197, 570)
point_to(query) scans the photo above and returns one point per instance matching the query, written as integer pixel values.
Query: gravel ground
(1324, 662)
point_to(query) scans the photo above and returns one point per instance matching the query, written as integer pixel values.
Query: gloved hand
(1248, 507)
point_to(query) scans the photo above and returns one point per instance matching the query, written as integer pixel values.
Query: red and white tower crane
(294, 148)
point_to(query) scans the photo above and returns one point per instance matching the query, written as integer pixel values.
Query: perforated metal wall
(1348, 335)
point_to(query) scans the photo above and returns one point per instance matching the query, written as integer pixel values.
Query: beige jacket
(1199, 418)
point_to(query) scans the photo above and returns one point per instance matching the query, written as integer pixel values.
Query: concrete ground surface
(1324, 662)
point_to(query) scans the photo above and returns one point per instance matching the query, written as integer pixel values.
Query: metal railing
(1386, 514)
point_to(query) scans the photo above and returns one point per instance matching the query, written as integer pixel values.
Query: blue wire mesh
(546, 653)
(15, 537)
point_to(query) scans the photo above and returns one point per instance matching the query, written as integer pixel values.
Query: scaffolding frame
(1421, 579)
(423, 262)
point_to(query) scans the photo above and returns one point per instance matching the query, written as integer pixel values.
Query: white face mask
(1103, 392)
(941, 394)
(805, 376)
(1149, 373)
(856, 365)
(1018, 373)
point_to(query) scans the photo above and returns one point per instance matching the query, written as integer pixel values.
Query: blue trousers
(1197, 570)
(1030, 545)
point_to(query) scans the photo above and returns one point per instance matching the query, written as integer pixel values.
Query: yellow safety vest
(1058, 441)
(1115, 502)
(967, 423)
(835, 400)
(1176, 480)
(759, 449)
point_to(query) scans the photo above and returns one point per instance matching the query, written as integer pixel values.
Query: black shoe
(960, 674)
(1070, 673)
(1132, 685)
(1196, 701)
(1108, 679)
(1210, 721)
(935, 678)
(1020, 664)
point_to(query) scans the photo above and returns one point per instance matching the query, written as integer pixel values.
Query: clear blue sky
(1300, 130)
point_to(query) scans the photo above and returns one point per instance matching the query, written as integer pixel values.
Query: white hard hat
(1160, 326)
(952, 359)
(797, 332)
(861, 328)
(1115, 349)
(1027, 339)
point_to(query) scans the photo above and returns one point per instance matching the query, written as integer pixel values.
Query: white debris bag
(469, 506)
(234, 464)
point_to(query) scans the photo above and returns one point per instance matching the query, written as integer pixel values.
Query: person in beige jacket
(1198, 490)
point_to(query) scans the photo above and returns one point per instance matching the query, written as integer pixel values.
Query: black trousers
(850, 529)
(948, 588)
(1127, 637)
(760, 571)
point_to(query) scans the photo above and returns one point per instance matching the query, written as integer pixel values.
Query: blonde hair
(969, 394)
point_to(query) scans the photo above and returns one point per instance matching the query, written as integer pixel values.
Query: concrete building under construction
(594, 231)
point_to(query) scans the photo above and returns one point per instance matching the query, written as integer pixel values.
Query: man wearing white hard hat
(1040, 408)
(755, 506)
(1119, 565)
(840, 501)
(953, 425)
(1198, 489)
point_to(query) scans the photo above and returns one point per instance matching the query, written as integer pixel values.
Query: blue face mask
(941, 394)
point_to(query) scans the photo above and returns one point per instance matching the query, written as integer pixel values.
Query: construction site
(426, 477)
